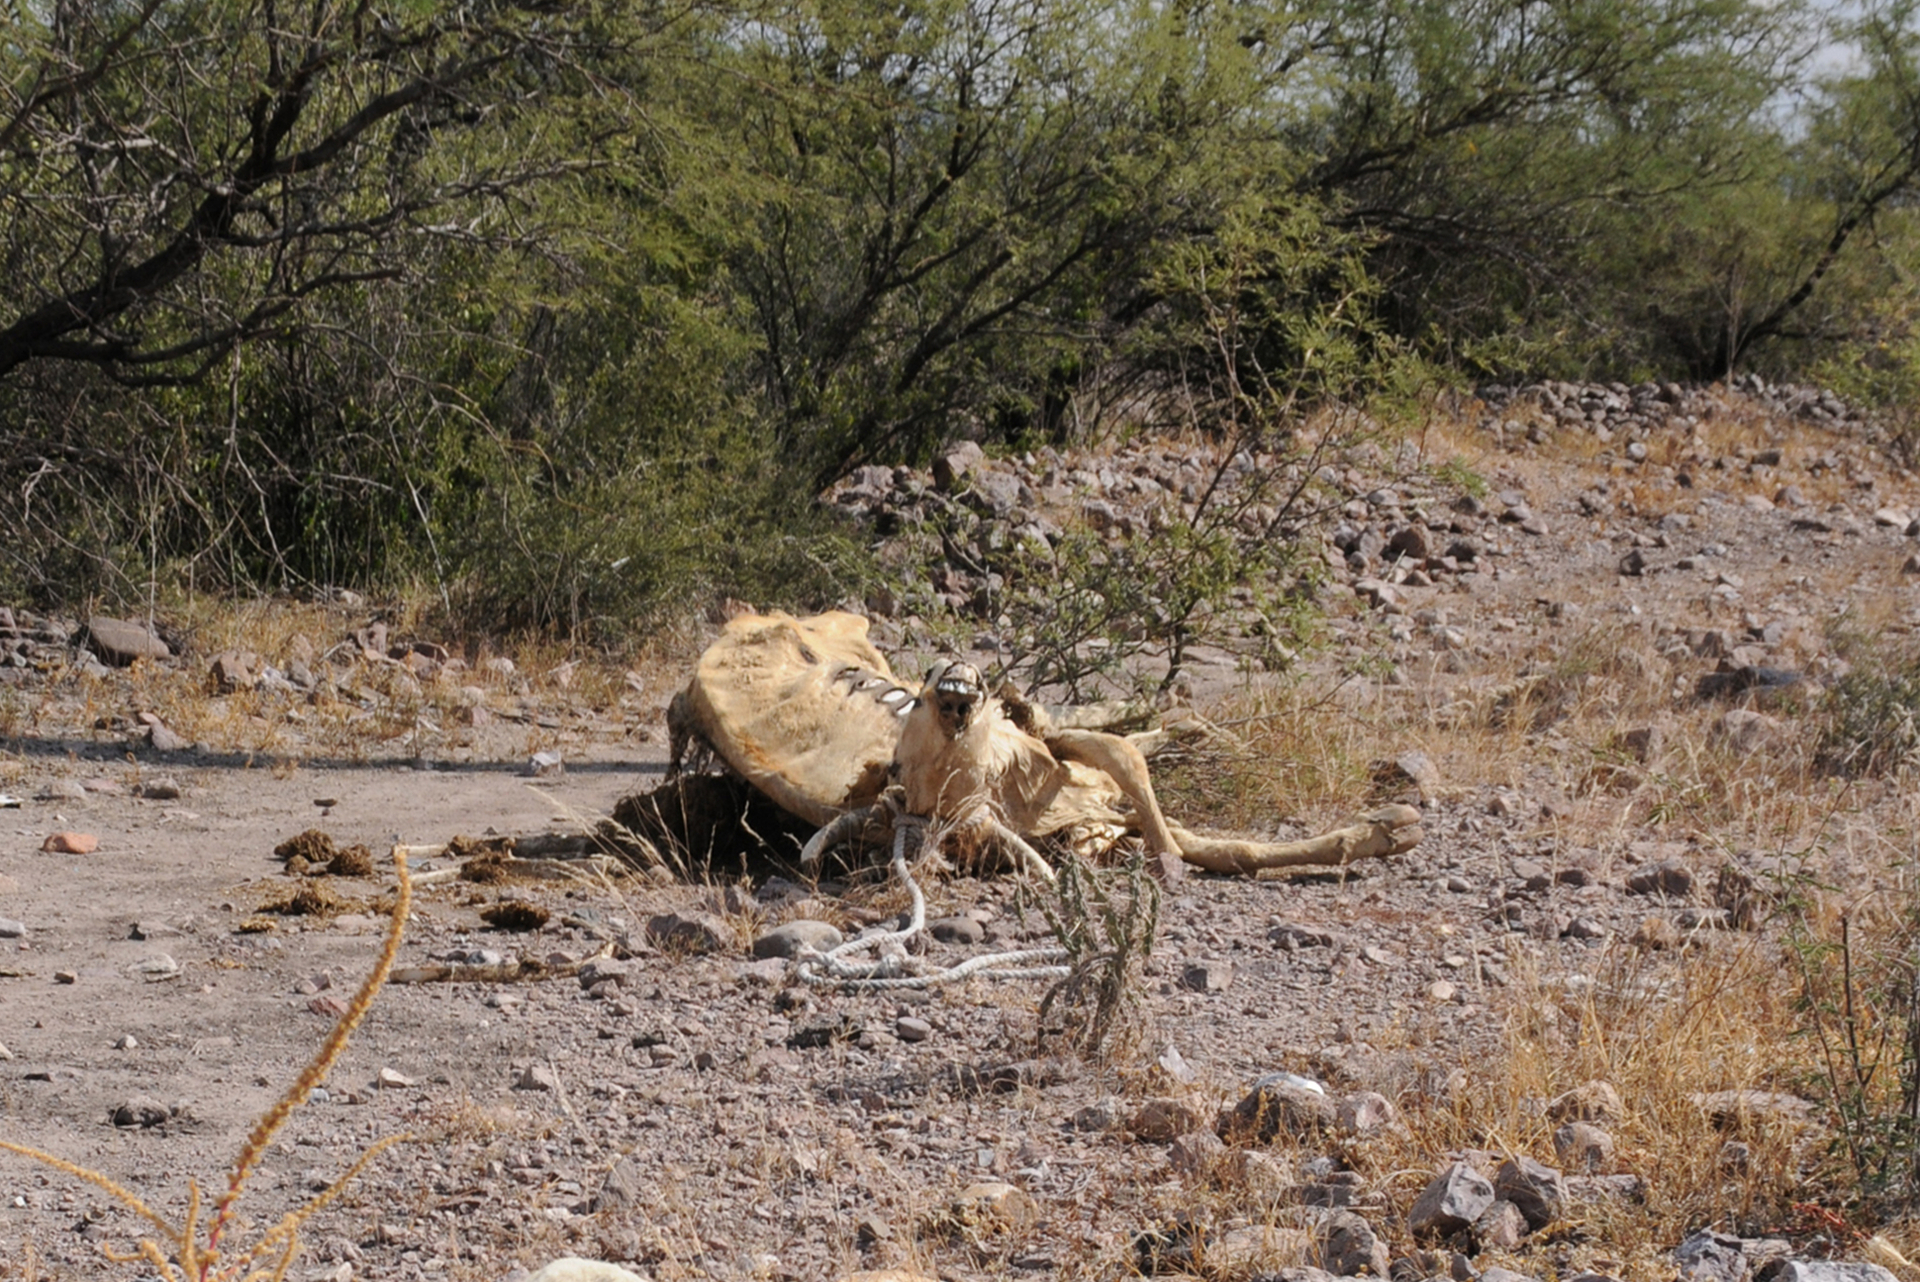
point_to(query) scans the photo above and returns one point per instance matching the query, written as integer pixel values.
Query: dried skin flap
(805, 709)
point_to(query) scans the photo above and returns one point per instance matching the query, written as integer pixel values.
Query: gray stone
(11, 929)
(624, 1186)
(1348, 1246)
(1829, 1271)
(120, 642)
(1206, 977)
(1367, 1113)
(909, 1028)
(788, 940)
(537, 1077)
(1583, 1146)
(1453, 1201)
(1277, 1104)
(1497, 1274)
(1501, 1227)
(61, 790)
(956, 463)
(993, 493)
(1669, 877)
(1538, 1190)
(695, 932)
(1711, 1257)
(957, 930)
(602, 969)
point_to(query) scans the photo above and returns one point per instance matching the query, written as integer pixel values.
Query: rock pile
(1607, 410)
(1332, 1224)
(957, 529)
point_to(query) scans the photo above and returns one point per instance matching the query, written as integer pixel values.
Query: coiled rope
(838, 966)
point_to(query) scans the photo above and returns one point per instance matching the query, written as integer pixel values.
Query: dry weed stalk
(269, 1258)
(1107, 920)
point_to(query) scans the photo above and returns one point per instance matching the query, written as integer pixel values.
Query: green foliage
(1877, 361)
(1256, 325)
(571, 309)
(964, 204)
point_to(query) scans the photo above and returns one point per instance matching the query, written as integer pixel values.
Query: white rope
(836, 966)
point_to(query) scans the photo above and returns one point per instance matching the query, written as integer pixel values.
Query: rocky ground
(1583, 626)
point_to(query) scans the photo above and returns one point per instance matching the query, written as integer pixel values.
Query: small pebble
(909, 1029)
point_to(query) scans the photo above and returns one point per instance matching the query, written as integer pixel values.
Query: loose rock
(121, 642)
(1348, 1247)
(1276, 1104)
(788, 940)
(690, 932)
(1501, 1227)
(1536, 1189)
(1160, 1121)
(1583, 1146)
(1456, 1198)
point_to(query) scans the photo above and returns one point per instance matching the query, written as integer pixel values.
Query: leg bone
(1122, 762)
(1390, 830)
